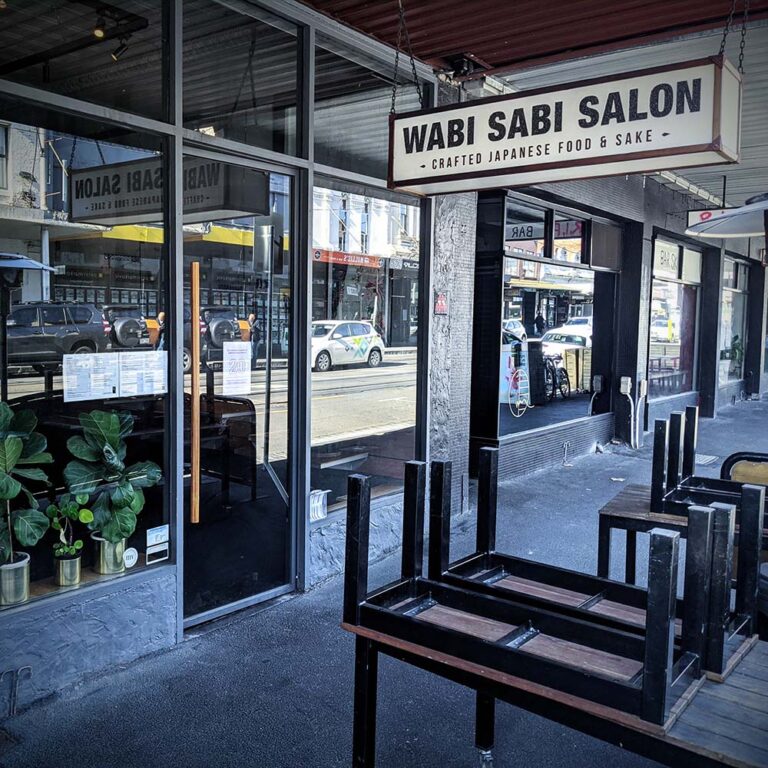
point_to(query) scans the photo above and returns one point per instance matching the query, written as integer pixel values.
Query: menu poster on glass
(143, 373)
(91, 376)
(237, 368)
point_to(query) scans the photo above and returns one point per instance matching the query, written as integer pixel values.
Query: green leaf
(120, 526)
(5, 544)
(38, 458)
(100, 511)
(122, 495)
(29, 526)
(55, 524)
(52, 510)
(144, 474)
(32, 474)
(33, 502)
(10, 450)
(85, 516)
(34, 444)
(138, 501)
(6, 417)
(112, 460)
(102, 427)
(82, 498)
(78, 545)
(83, 478)
(81, 450)
(126, 423)
(9, 488)
(24, 421)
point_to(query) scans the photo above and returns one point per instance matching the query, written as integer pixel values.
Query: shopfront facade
(195, 218)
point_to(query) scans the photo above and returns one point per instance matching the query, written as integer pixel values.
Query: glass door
(238, 537)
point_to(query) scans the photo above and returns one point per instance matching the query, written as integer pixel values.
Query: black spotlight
(120, 50)
(99, 29)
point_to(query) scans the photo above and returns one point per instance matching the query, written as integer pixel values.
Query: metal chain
(745, 19)
(402, 31)
(728, 25)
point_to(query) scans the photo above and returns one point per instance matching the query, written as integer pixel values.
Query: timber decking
(730, 719)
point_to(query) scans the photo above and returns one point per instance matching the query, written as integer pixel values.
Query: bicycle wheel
(563, 383)
(518, 394)
(549, 381)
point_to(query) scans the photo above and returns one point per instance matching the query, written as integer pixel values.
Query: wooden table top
(634, 501)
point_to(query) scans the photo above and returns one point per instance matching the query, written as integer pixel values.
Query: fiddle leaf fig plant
(69, 510)
(22, 450)
(99, 469)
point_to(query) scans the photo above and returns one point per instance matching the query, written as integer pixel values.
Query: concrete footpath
(272, 688)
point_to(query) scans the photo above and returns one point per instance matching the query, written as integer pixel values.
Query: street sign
(675, 116)
(441, 302)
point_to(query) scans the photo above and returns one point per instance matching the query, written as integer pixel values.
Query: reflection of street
(346, 402)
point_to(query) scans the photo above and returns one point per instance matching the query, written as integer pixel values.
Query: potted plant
(21, 450)
(67, 550)
(99, 469)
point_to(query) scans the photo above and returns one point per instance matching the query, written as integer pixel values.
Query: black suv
(127, 326)
(41, 333)
(221, 325)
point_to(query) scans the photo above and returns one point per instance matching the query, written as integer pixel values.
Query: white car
(558, 340)
(516, 328)
(345, 342)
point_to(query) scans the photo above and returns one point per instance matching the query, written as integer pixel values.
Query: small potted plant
(21, 449)
(67, 550)
(99, 469)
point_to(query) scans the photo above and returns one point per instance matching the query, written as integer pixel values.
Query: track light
(3, 5)
(100, 29)
(120, 50)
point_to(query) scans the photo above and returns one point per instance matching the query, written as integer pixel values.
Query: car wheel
(81, 349)
(186, 360)
(323, 362)
(374, 359)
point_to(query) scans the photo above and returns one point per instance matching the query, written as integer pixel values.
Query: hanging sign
(132, 192)
(676, 116)
(701, 215)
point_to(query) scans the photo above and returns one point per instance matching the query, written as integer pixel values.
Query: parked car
(558, 340)
(579, 321)
(516, 328)
(41, 333)
(127, 326)
(345, 342)
(218, 325)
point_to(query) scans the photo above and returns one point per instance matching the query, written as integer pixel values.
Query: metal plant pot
(109, 558)
(67, 571)
(14, 580)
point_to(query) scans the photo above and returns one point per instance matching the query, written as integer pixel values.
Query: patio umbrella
(750, 220)
(11, 267)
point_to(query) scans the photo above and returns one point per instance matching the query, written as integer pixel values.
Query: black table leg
(485, 713)
(604, 548)
(366, 682)
(631, 557)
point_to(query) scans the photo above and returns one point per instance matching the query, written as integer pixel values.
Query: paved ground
(273, 688)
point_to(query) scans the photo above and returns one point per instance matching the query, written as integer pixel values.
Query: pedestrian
(160, 343)
(255, 338)
(540, 324)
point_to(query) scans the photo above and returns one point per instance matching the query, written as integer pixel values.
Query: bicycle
(555, 378)
(519, 394)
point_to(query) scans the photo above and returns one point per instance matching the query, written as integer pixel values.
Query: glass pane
(107, 53)
(729, 273)
(546, 357)
(672, 351)
(524, 231)
(691, 266)
(352, 105)
(365, 320)
(666, 259)
(240, 75)
(241, 253)
(3, 156)
(568, 242)
(733, 321)
(73, 367)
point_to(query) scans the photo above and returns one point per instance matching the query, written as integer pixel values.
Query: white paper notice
(143, 373)
(237, 368)
(91, 376)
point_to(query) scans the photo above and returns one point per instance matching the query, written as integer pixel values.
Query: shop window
(568, 240)
(352, 105)
(107, 53)
(547, 340)
(365, 322)
(733, 323)
(3, 156)
(87, 370)
(524, 231)
(240, 75)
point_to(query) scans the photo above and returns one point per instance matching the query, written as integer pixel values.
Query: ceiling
(503, 36)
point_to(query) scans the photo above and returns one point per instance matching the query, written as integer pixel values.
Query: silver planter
(14, 580)
(109, 556)
(67, 571)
